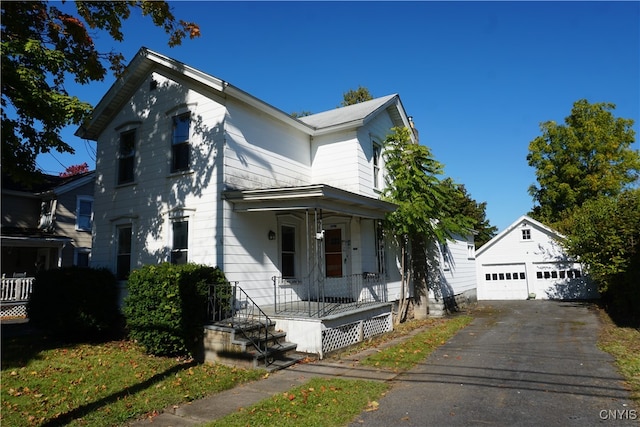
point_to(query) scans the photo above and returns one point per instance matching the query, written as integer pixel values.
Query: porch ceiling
(322, 197)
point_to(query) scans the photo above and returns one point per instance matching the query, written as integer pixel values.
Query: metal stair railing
(231, 305)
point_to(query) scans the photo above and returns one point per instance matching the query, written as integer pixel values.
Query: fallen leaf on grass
(372, 406)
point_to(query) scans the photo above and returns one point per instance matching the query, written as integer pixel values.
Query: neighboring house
(193, 169)
(46, 225)
(526, 260)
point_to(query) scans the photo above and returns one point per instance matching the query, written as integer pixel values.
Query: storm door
(333, 252)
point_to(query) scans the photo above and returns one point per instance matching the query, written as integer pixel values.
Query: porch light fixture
(272, 235)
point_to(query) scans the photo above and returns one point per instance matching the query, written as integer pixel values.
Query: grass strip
(319, 402)
(408, 353)
(623, 343)
(106, 384)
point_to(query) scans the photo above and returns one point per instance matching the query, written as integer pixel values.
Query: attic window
(526, 234)
(153, 85)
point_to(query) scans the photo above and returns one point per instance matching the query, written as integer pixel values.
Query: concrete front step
(237, 346)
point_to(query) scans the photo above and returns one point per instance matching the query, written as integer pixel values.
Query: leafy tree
(75, 170)
(42, 47)
(355, 96)
(605, 236)
(423, 215)
(587, 157)
(461, 203)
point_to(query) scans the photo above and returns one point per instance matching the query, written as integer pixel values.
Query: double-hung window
(84, 213)
(126, 156)
(377, 149)
(180, 143)
(288, 253)
(123, 256)
(180, 247)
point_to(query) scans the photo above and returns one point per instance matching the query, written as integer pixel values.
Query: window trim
(376, 162)
(295, 222)
(118, 228)
(131, 156)
(80, 199)
(182, 145)
(81, 250)
(182, 251)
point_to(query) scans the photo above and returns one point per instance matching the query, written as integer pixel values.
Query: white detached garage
(526, 259)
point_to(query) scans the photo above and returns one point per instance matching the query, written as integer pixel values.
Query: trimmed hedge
(166, 307)
(75, 303)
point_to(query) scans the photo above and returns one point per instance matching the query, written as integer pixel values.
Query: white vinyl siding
(536, 249)
(263, 153)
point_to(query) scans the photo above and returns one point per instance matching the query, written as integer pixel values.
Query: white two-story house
(192, 169)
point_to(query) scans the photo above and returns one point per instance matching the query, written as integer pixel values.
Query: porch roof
(308, 197)
(14, 236)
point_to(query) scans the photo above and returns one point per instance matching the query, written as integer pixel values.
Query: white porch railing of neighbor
(330, 295)
(16, 289)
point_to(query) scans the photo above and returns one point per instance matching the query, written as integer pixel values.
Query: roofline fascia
(147, 58)
(511, 227)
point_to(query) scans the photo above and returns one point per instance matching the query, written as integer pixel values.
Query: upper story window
(47, 209)
(526, 234)
(180, 143)
(84, 213)
(377, 150)
(126, 156)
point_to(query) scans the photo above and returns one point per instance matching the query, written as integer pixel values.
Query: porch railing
(16, 289)
(317, 298)
(230, 305)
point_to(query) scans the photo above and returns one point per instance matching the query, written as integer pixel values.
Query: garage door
(503, 282)
(559, 281)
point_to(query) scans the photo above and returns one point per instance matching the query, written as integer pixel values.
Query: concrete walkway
(230, 401)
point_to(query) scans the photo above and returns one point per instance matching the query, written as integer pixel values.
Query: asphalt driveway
(524, 363)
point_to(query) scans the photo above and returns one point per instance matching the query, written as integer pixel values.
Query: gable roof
(356, 114)
(45, 183)
(147, 61)
(523, 219)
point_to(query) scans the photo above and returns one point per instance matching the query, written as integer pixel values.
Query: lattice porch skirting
(10, 310)
(352, 333)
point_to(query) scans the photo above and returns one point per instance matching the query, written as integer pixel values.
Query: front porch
(14, 295)
(335, 312)
(318, 316)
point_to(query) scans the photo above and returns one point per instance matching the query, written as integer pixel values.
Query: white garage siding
(503, 282)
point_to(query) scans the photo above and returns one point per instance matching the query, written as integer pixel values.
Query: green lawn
(99, 384)
(319, 402)
(624, 344)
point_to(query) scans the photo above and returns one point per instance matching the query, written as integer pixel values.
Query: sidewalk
(230, 401)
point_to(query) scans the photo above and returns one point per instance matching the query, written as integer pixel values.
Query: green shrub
(166, 307)
(75, 303)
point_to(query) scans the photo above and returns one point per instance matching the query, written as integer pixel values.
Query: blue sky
(477, 77)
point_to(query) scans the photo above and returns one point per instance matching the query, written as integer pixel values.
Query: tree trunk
(403, 303)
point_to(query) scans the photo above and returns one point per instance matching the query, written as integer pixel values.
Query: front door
(333, 252)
